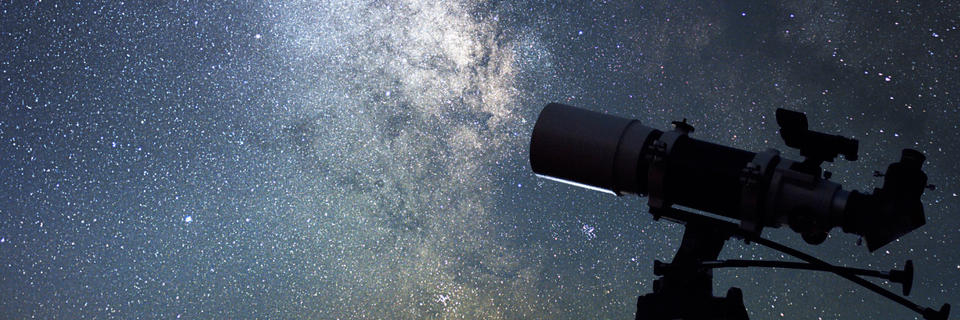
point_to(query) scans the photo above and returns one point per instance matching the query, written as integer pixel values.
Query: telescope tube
(609, 153)
(623, 156)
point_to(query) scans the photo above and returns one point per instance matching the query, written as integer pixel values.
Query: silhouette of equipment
(622, 156)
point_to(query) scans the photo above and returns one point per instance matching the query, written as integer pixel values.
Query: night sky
(369, 159)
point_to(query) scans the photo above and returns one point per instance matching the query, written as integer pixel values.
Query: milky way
(410, 103)
(369, 159)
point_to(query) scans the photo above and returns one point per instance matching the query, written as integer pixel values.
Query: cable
(685, 217)
(927, 313)
(904, 277)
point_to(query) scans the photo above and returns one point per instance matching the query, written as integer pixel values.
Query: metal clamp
(659, 151)
(753, 187)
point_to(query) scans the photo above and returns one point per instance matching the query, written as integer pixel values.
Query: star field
(369, 159)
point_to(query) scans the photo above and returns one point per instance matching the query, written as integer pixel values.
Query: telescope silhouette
(760, 190)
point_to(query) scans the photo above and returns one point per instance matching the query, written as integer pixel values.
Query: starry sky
(369, 159)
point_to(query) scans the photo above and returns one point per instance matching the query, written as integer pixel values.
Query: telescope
(758, 190)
